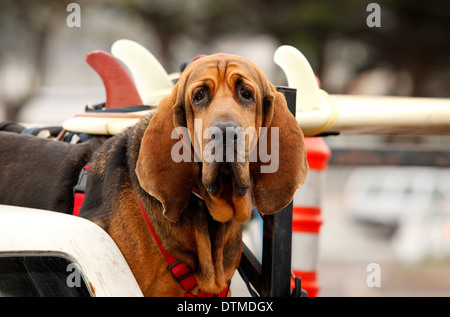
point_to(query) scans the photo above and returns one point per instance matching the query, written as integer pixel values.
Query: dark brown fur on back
(41, 173)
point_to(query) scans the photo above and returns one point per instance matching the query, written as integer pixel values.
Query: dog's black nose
(230, 132)
(226, 137)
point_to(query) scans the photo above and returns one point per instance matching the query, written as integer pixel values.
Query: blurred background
(366, 204)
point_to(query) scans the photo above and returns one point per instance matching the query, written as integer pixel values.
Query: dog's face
(234, 124)
(223, 106)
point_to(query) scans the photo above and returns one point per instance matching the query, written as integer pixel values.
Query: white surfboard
(151, 79)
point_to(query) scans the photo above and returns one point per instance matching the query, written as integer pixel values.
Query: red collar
(179, 270)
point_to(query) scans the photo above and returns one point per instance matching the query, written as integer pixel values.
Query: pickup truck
(45, 253)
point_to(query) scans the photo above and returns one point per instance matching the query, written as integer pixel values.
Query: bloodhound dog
(220, 144)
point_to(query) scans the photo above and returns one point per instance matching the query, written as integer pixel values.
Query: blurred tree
(25, 26)
(413, 35)
(168, 19)
(415, 38)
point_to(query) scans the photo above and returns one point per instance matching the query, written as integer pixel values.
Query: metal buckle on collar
(183, 275)
(80, 187)
(179, 271)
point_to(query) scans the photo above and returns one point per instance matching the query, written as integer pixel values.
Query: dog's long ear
(163, 170)
(281, 167)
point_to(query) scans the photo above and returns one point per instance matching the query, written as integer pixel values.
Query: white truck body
(26, 232)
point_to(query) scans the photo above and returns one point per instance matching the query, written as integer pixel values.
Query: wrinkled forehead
(221, 68)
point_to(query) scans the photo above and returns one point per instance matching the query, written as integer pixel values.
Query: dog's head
(226, 132)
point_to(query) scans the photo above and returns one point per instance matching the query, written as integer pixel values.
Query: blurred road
(348, 247)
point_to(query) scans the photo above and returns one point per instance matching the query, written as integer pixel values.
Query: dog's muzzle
(225, 155)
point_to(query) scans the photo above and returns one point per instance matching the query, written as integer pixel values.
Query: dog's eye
(246, 93)
(200, 95)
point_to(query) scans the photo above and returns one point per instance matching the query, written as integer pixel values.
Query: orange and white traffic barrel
(307, 218)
